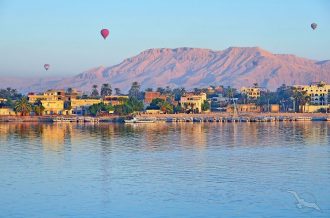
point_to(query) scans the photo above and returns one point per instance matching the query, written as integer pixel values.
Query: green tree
(95, 92)
(130, 106)
(106, 90)
(97, 109)
(38, 109)
(161, 90)
(10, 93)
(69, 90)
(206, 106)
(135, 92)
(178, 93)
(23, 106)
(117, 91)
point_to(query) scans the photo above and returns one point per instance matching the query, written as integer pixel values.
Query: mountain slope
(193, 67)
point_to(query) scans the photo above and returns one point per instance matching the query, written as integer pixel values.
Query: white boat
(303, 118)
(136, 120)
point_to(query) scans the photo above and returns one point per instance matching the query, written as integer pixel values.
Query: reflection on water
(182, 169)
(54, 136)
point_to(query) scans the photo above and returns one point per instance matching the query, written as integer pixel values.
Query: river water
(165, 170)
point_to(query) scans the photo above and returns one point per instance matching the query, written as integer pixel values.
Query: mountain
(194, 67)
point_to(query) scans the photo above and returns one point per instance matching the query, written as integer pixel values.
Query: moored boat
(136, 120)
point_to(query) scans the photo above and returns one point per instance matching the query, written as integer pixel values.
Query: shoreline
(205, 117)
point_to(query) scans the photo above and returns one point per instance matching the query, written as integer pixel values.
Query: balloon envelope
(46, 66)
(314, 26)
(105, 33)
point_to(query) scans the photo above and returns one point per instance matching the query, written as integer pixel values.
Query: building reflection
(55, 137)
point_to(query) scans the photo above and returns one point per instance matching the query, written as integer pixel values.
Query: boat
(303, 118)
(136, 120)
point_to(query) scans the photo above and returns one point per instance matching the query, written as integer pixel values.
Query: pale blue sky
(65, 33)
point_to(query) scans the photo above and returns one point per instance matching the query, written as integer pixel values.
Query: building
(80, 106)
(53, 95)
(319, 92)
(192, 103)
(53, 107)
(244, 108)
(251, 92)
(7, 112)
(115, 99)
(275, 108)
(72, 94)
(50, 95)
(314, 108)
(219, 102)
(3, 100)
(149, 96)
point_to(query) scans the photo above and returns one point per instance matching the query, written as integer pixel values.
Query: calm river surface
(165, 170)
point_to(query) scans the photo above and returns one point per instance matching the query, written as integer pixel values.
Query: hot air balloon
(105, 33)
(314, 26)
(46, 66)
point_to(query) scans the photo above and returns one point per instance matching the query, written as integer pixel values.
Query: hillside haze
(192, 67)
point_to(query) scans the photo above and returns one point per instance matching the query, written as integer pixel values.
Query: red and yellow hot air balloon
(105, 33)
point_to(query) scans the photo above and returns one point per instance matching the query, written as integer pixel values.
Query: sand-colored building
(115, 99)
(319, 92)
(314, 108)
(53, 95)
(192, 102)
(244, 108)
(251, 92)
(80, 106)
(53, 107)
(7, 112)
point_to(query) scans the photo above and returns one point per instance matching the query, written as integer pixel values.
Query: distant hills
(191, 67)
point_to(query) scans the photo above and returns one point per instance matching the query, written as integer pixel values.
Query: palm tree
(23, 106)
(95, 93)
(37, 107)
(69, 90)
(106, 90)
(117, 91)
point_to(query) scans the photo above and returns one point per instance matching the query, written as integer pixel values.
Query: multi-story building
(192, 102)
(251, 92)
(53, 95)
(53, 107)
(318, 92)
(50, 95)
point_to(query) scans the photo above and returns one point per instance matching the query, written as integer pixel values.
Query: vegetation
(135, 91)
(206, 106)
(160, 104)
(130, 106)
(38, 109)
(95, 92)
(117, 91)
(23, 106)
(106, 90)
(97, 109)
(10, 93)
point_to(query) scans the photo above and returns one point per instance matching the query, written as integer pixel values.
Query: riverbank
(242, 117)
(207, 117)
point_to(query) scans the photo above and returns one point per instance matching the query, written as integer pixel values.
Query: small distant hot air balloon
(46, 66)
(105, 33)
(314, 26)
